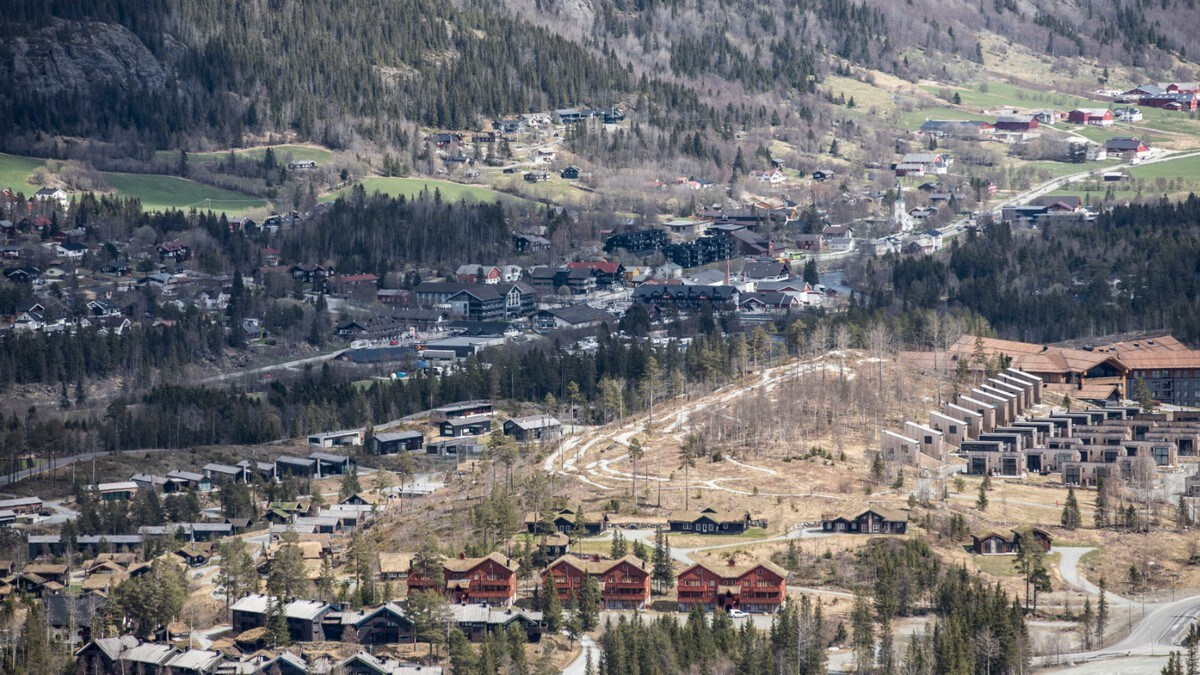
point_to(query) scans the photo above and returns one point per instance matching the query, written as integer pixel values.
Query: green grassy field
(913, 119)
(283, 153)
(1001, 94)
(157, 192)
(1180, 168)
(451, 191)
(14, 172)
(1057, 169)
(164, 192)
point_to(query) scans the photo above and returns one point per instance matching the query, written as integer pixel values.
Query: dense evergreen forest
(188, 70)
(1134, 268)
(976, 627)
(379, 233)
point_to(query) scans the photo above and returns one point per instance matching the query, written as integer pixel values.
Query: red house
(1097, 117)
(491, 579)
(624, 583)
(755, 587)
(1016, 123)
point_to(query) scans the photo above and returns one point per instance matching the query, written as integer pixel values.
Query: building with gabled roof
(750, 587)
(711, 521)
(624, 583)
(871, 521)
(491, 579)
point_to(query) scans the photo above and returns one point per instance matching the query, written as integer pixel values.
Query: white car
(737, 614)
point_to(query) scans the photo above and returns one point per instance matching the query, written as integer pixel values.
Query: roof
(148, 652)
(466, 564)
(760, 270)
(1036, 358)
(577, 314)
(491, 615)
(113, 646)
(596, 566)
(20, 501)
(329, 457)
(389, 436)
(1123, 144)
(304, 609)
(535, 422)
(118, 486)
(299, 461)
(223, 468)
(713, 515)
(468, 420)
(736, 571)
(395, 563)
(196, 659)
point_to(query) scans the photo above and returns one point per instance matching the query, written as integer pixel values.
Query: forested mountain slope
(165, 74)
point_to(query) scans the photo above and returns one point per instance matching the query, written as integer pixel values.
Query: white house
(57, 195)
(772, 176)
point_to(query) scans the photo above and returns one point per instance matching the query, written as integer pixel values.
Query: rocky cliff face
(72, 55)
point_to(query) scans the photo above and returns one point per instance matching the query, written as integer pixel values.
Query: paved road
(1155, 635)
(61, 462)
(579, 665)
(1068, 568)
(684, 555)
(266, 369)
(1139, 665)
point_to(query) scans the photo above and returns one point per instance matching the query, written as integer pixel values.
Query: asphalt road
(60, 462)
(1068, 568)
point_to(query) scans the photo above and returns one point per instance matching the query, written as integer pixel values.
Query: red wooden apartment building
(491, 579)
(624, 583)
(754, 587)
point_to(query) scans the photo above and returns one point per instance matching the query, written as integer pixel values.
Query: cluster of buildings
(1178, 96)
(986, 424)
(128, 654)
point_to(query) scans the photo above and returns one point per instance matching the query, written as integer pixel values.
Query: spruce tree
(981, 502)
(34, 646)
(663, 574)
(1071, 518)
(1101, 513)
(863, 630)
(551, 604)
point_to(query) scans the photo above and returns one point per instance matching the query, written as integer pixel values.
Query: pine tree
(981, 502)
(1071, 518)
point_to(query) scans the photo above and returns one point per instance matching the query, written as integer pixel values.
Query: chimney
(730, 562)
(462, 555)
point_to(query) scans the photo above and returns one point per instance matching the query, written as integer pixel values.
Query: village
(1012, 413)
(527, 525)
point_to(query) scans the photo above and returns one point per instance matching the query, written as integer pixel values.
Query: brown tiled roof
(1089, 390)
(1151, 359)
